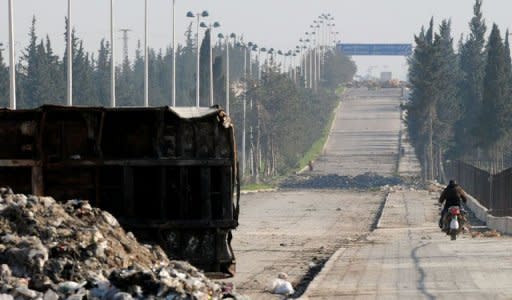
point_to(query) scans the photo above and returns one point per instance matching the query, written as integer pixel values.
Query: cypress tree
(57, 82)
(472, 67)
(102, 74)
(448, 106)
(137, 77)
(204, 71)
(493, 123)
(4, 81)
(29, 76)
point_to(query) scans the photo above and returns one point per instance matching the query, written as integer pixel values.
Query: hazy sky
(269, 23)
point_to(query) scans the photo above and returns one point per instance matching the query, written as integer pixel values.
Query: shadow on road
(421, 271)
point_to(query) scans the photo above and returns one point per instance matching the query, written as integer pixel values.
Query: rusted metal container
(169, 175)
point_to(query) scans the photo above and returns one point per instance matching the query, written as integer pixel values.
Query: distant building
(385, 76)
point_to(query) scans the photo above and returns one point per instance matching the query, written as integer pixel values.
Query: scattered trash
(486, 234)
(58, 251)
(281, 285)
(492, 233)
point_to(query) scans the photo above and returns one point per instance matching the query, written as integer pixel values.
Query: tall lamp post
(146, 56)
(227, 42)
(198, 15)
(173, 91)
(264, 50)
(249, 47)
(69, 93)
(112, 57)
(280, 53)
(244, 111)
(210, 29)
(12, 70)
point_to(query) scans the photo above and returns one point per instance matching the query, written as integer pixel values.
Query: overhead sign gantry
(376, 49)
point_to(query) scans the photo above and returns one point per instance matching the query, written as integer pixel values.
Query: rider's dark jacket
(452, 194)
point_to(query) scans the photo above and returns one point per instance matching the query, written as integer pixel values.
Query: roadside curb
(246, 192)
(330, 262)
(336, 112)
(381, 212)
(320, 276)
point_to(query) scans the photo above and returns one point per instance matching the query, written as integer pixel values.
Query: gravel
(333, 181)
(57, 251)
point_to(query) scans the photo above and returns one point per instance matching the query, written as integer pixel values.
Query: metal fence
(492, 191)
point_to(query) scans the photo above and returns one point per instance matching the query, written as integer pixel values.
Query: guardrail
(492, 191)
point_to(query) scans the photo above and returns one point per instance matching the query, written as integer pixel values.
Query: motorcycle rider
(452, 194)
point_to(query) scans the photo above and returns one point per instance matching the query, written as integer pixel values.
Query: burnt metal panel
(167, 175)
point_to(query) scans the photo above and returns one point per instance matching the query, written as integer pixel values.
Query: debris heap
(56, 251)
(334, 181)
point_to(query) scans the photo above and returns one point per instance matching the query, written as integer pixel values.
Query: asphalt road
(408, 257)
(295, 231)
(365, 135)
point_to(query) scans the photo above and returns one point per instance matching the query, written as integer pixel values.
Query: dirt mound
(74, 251)
(333, 181)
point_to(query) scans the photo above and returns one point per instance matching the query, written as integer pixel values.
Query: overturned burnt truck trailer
(169, 175)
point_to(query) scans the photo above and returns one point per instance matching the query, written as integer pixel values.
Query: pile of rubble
(74, 251)
(333, 181)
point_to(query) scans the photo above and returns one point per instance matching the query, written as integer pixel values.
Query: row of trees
(286, 118)
(41, 74)
(283, 118)
(460, 105)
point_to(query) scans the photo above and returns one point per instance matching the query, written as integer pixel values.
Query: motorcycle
(454, 221)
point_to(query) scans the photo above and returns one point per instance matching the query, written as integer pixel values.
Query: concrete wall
(501, 224)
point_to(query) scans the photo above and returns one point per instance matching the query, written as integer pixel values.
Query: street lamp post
(210, 29)
(299, 51)
(69, 93)
(304, 58)
(280, 53)
(264, 50)
(317, 54)
(250, 45)
(173, 91)
(270, 57)
(146, 54)
(12, 69)
(227, 42)
(203, 14)
(295, 75)
(259, 63)
(244, 112)
(112, 57)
